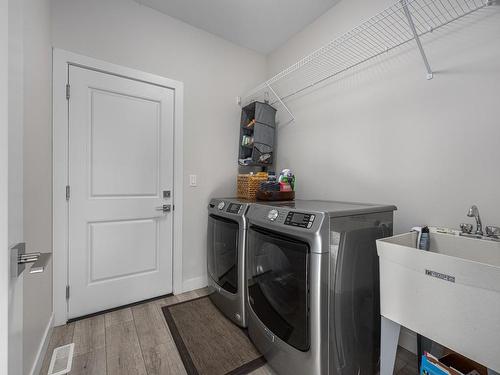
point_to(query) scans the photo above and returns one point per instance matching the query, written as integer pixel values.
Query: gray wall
(37, 171)
(214, 72)
(383, 133)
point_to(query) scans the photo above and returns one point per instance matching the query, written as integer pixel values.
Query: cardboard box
(450, 364)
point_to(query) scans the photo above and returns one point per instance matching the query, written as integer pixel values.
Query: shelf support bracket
(281, 102)
(404, 4)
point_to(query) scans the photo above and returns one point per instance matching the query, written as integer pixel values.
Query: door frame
(4, 241)
(61, 61)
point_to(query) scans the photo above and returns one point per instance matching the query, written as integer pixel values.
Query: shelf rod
(404, 4)
(281, 101)
(417, 17)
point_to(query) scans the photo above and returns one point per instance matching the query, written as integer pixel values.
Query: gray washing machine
(313, 285)
(226, 239)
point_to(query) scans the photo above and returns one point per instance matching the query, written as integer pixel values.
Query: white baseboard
(408, 340)
(194, 283)
(42, 349)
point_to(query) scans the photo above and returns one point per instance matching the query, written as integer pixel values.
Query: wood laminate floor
(136, 341)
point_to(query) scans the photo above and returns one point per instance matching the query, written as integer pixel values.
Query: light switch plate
(192, 180)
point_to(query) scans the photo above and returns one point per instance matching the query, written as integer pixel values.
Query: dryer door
(222, 252)
(278, 284)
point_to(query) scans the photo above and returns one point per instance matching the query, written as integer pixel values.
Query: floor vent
(62, 359)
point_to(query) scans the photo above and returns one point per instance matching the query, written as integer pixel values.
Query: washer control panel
(224, 207)
(301, 220)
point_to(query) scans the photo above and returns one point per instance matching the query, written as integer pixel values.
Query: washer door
(222, 252)
(278, 284)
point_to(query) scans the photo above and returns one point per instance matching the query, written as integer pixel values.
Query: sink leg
(388, 345)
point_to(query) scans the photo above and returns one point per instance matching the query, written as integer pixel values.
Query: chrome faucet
(466, 228)
(474, 212)
(493, 232)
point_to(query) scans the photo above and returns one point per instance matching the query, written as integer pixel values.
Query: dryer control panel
(234, 208)
(299, 219)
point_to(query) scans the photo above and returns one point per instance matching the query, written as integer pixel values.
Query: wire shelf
(401, 23)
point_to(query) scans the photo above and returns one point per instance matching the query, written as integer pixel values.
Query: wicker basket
(248, 184)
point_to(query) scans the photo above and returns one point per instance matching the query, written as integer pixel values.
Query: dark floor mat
(209, 343)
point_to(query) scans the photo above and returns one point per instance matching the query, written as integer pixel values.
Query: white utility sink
(450, 294)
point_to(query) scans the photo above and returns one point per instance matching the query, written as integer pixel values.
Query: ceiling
(261, 25)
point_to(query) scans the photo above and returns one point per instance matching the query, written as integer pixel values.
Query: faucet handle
(492, 231)
(466, 228)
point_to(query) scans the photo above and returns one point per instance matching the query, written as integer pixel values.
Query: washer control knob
(221, 205)
(272, 215)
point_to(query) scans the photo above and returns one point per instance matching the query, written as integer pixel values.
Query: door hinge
(68, 192)
(173, 207)
(68, 91)
(67, 291)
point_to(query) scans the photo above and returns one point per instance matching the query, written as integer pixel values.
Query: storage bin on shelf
(248, 184)
(257, 133)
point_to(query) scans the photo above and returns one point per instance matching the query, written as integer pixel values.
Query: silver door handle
(20, 258)
(164, 208)
(39, 260)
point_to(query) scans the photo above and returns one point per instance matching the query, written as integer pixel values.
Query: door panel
(132, 126)
(278, 285)
(120, 161)
(222, 250)
(111, 241)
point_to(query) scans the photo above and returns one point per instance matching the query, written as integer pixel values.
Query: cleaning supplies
(270, 186)
(423, 238)
(286, 180)
(285, 175)
(285, 186)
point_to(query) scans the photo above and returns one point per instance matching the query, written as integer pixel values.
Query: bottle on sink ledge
(423, 238)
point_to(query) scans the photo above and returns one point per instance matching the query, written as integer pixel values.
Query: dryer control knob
(221, 205)
(272, 215)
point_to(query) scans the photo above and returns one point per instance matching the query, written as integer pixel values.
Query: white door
(120, 177)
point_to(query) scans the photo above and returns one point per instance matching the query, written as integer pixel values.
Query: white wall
(15, 181)
(214, 72)
(37, 172)
(4, 241)
(383, 133)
